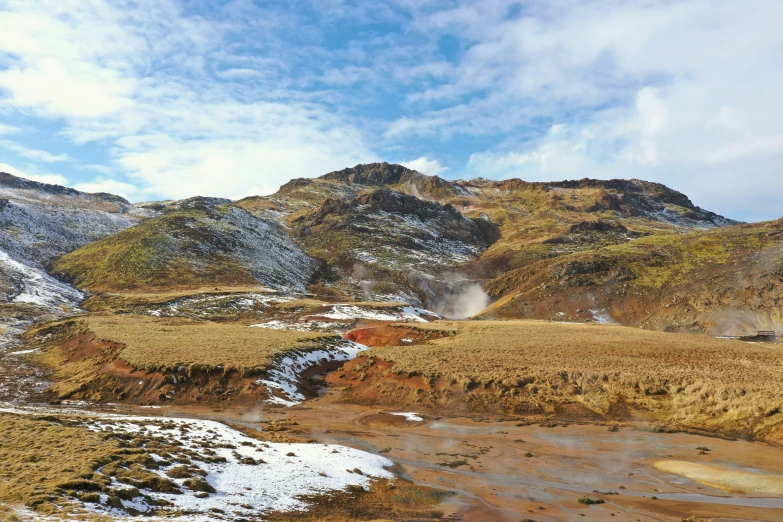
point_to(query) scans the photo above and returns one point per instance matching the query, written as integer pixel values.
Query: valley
(377, 344)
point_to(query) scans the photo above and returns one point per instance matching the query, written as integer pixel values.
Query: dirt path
(501, 471)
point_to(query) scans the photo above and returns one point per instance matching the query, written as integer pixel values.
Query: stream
(495, 470)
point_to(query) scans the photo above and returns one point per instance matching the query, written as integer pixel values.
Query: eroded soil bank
(566, 464)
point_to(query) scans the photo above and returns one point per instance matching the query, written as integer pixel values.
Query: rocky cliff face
(389, 243)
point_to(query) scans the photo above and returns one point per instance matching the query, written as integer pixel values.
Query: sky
(158, 99)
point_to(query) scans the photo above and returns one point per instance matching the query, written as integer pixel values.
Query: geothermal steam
(460, 301)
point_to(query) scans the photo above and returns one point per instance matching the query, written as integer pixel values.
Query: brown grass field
(54, 465)
(162, 344)
(31, 476)
(688, 380)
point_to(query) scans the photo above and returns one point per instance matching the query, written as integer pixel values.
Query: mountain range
(626, 251)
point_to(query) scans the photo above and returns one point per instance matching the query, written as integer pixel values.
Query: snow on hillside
(400, 314)
(211, 306)
(336, 317)
(35, 232)
(283, 378)
(34, 286)
(267, 249)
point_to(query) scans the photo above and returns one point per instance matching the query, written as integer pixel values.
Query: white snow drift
(285, 372)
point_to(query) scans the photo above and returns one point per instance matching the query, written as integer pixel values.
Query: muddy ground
(501, 470)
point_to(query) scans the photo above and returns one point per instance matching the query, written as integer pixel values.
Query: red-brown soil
(374, 383)
(87, 368)
(392, 335)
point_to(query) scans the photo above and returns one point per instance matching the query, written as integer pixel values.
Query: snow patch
(351, 312)
(286, 370)
(410, 416)
(282, 475)
(34, 286)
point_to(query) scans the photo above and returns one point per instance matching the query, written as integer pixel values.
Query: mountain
(726, 281)
(390, 245)
(630, 251)
(39, 222)
(198, 243)
(520, 224)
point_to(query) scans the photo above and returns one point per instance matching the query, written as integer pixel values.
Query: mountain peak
(374, 174)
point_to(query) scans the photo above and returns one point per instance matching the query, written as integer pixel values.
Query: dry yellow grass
(29, 472)
(693, 380)
(112, 301)
(162, 344)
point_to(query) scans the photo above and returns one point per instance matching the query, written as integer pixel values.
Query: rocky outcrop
(389, 243)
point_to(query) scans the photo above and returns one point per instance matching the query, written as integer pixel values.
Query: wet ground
(503, 471)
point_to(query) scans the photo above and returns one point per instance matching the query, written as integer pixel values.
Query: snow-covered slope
(196, 246)
(26, 284)
(39, 222)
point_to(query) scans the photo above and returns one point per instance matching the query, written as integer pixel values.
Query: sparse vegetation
(688, 380)
(31, 476)
(164, 344)
(590, 501)
(686, 282)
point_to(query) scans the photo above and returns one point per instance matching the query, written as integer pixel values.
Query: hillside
(520, 224)
(629, 251)
(572, 371)
(39, 222)
(198, 244)
(390, 245)
(727, 281)
(543, 220)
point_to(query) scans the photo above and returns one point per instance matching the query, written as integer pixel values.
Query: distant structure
(764, 336)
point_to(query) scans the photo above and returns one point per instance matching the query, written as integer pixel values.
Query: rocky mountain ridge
(383, 232)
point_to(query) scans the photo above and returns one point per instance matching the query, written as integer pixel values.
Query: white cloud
(137, 79)
(425, 166)
(671, 91)
(237, 98)
(7, 129)
(234, 168)
(33, 154)
(563, 154)
(762, 146)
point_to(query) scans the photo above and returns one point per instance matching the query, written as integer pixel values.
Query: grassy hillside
(522, 223)
(192, 247)
(538, 221)
(725, 281)
(582, 249)
(611, 372)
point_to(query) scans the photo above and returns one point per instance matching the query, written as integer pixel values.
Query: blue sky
(160, 99)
